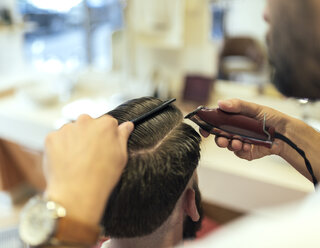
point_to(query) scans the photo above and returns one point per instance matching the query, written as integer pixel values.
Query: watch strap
(70, 231)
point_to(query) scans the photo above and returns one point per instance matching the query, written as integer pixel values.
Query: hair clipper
(233, 126)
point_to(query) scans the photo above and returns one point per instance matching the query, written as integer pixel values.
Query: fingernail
(130, 126)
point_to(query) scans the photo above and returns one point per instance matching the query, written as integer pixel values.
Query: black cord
(301, 152)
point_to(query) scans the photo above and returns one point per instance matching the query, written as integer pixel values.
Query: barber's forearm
(307, 139)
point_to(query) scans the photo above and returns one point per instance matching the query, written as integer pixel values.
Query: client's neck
(167, 235)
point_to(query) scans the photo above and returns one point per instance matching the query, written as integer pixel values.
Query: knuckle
(238, 104)
(64, 127)
(236, 101)
(110, 121)
(50, 137)
(83, 118)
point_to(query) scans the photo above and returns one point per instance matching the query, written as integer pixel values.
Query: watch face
(37, 222)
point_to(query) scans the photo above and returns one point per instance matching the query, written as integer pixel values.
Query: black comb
(141, 118)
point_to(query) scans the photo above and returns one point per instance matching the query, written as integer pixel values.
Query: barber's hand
(84, 161)
(244, 150)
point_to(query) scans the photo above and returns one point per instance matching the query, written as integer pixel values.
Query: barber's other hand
(84, 161)
(244, 150)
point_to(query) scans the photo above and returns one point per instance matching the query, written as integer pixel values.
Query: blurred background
(146, 40)
(62, 58)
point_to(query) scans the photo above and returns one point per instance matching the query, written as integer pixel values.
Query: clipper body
(233, 126)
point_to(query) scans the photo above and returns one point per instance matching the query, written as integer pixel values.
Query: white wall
(11, 42)
(245, 17)
(8, 3)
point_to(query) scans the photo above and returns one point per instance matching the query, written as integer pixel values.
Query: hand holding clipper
(247, 130)
(233, 126)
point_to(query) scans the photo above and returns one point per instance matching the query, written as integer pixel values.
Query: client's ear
(190, 206)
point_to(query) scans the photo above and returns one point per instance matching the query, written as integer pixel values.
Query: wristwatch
(45, 222)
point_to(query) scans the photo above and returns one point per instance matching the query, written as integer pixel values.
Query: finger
(241, 107)
(204, 133)
(125, 129)
(222, 142)
(236, 145)
(244, 155)
(83, 118)
(108, 121)
(106, 117)
(65, 126)
(230, 148)
(246, 147)
(50, 137)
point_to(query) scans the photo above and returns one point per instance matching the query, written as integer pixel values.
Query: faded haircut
(163, 154)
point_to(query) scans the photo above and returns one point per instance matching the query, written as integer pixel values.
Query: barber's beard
(295, 72)
(281, 77)
(190, 227)
(294, 79)
(281, 74)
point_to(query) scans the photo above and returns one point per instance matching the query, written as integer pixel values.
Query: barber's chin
(295, 92)
(289, 88)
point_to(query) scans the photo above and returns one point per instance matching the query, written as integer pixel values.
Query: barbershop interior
(60, 59)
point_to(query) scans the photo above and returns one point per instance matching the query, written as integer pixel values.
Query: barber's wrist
(288, 125)
(55, 225)
(307, 139)
(79, 207)
(297, 131)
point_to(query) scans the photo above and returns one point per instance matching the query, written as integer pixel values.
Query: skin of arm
(307, 138)
(89, 154)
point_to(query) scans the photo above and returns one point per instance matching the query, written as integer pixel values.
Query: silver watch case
(38, 220)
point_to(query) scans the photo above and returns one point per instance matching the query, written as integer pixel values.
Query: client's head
(163, 155)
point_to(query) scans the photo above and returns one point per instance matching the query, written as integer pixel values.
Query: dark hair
(163, 154)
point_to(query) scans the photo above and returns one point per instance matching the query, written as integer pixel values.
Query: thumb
(125, 129)
(241, 107)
